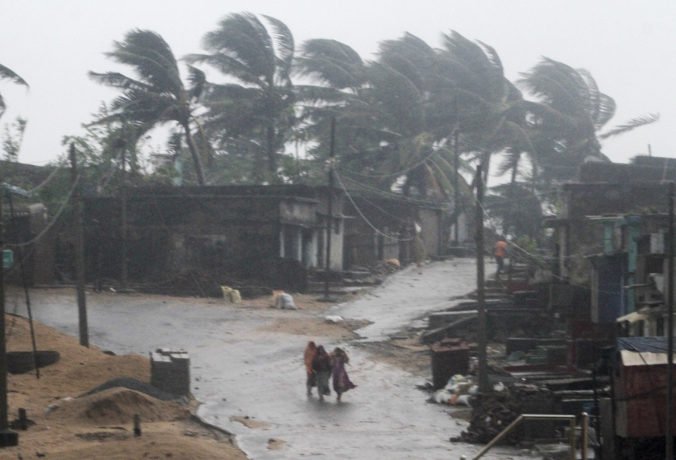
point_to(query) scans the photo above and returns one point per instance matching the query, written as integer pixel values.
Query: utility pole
(481, 301)
(329, 218)
(456, 192)
(79, 250)
(668, 436)
(123, 221)
(24, 284)
(3, 349)
(7, 437)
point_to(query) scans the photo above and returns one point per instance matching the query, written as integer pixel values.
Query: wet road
(238, 369)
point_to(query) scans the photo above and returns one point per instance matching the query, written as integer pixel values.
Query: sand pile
(117, 406)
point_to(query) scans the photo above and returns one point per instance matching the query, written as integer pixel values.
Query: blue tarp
(643, 344)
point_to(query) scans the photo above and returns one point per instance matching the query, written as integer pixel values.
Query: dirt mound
(118, 406)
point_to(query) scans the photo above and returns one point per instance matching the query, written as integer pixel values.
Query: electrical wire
(54, 219)
(361, 214)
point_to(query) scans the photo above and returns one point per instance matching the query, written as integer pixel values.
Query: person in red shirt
(500, 252)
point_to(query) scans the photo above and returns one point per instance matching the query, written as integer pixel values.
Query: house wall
(594, 199)
(641, 401)
(246, 232)
(394, 220)
(430, 222)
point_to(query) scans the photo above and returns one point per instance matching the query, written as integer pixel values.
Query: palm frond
(8, 74)
(243, 38)
(332, 62)
(284, 43)
(120, 81)
(198, 80)
(151, 57)
(631, 124)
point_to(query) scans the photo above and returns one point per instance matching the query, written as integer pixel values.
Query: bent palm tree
(259, 105)
(8, 74)
(157, 95)
(572, 116)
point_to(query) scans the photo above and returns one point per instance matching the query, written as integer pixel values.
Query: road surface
(240, 369)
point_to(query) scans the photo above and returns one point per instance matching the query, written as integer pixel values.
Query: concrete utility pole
(456, 192)
(668, 436)
(123, 222)
(481, 301)
(3, 350)
(329, 218)
(79, 251)
(7, 437)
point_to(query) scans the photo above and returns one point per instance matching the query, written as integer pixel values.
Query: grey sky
(627, 46)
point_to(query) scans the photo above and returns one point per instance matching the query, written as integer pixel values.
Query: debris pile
(493, 412)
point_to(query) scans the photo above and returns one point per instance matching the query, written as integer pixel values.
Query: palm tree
(383, 112)
(8, 74)
(571, 117)
(488, 110)
(255, 108)
(156, 94)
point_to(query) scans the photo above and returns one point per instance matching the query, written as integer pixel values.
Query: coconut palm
(383, 113)
(254, 108)
(156, 94)
(571, 117)
(8, 74)
(488, 110)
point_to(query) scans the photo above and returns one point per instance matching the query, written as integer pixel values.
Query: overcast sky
(627, 45)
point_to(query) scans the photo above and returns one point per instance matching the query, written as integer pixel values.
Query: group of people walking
(321, 366)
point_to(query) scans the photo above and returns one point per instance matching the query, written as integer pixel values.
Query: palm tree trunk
(512, 201)
(486, 163)
(194, 154)
(272, 160)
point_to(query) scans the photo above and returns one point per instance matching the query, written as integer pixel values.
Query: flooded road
(241, 370)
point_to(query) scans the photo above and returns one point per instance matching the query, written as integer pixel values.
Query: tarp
(643, 344)
(632, 317)
(642, 351)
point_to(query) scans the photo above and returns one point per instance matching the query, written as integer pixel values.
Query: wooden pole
(79, 251)
(668, 436)
(481, 302)
(329, 218)
(24, 284)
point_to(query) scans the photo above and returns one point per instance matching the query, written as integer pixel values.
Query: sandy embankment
(99, 425)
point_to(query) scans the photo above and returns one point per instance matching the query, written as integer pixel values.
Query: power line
(361, 214)
(53, 221)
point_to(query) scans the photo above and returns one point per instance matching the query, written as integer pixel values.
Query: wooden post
(137, 425)
(79, 251)
(481, 302)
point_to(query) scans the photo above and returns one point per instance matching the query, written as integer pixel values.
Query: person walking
(500, 252)
(308, 357)
(341, 381)
(321, 365)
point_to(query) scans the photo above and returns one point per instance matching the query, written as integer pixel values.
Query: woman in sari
(341, 381)
(308, 357)
(321, 365)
